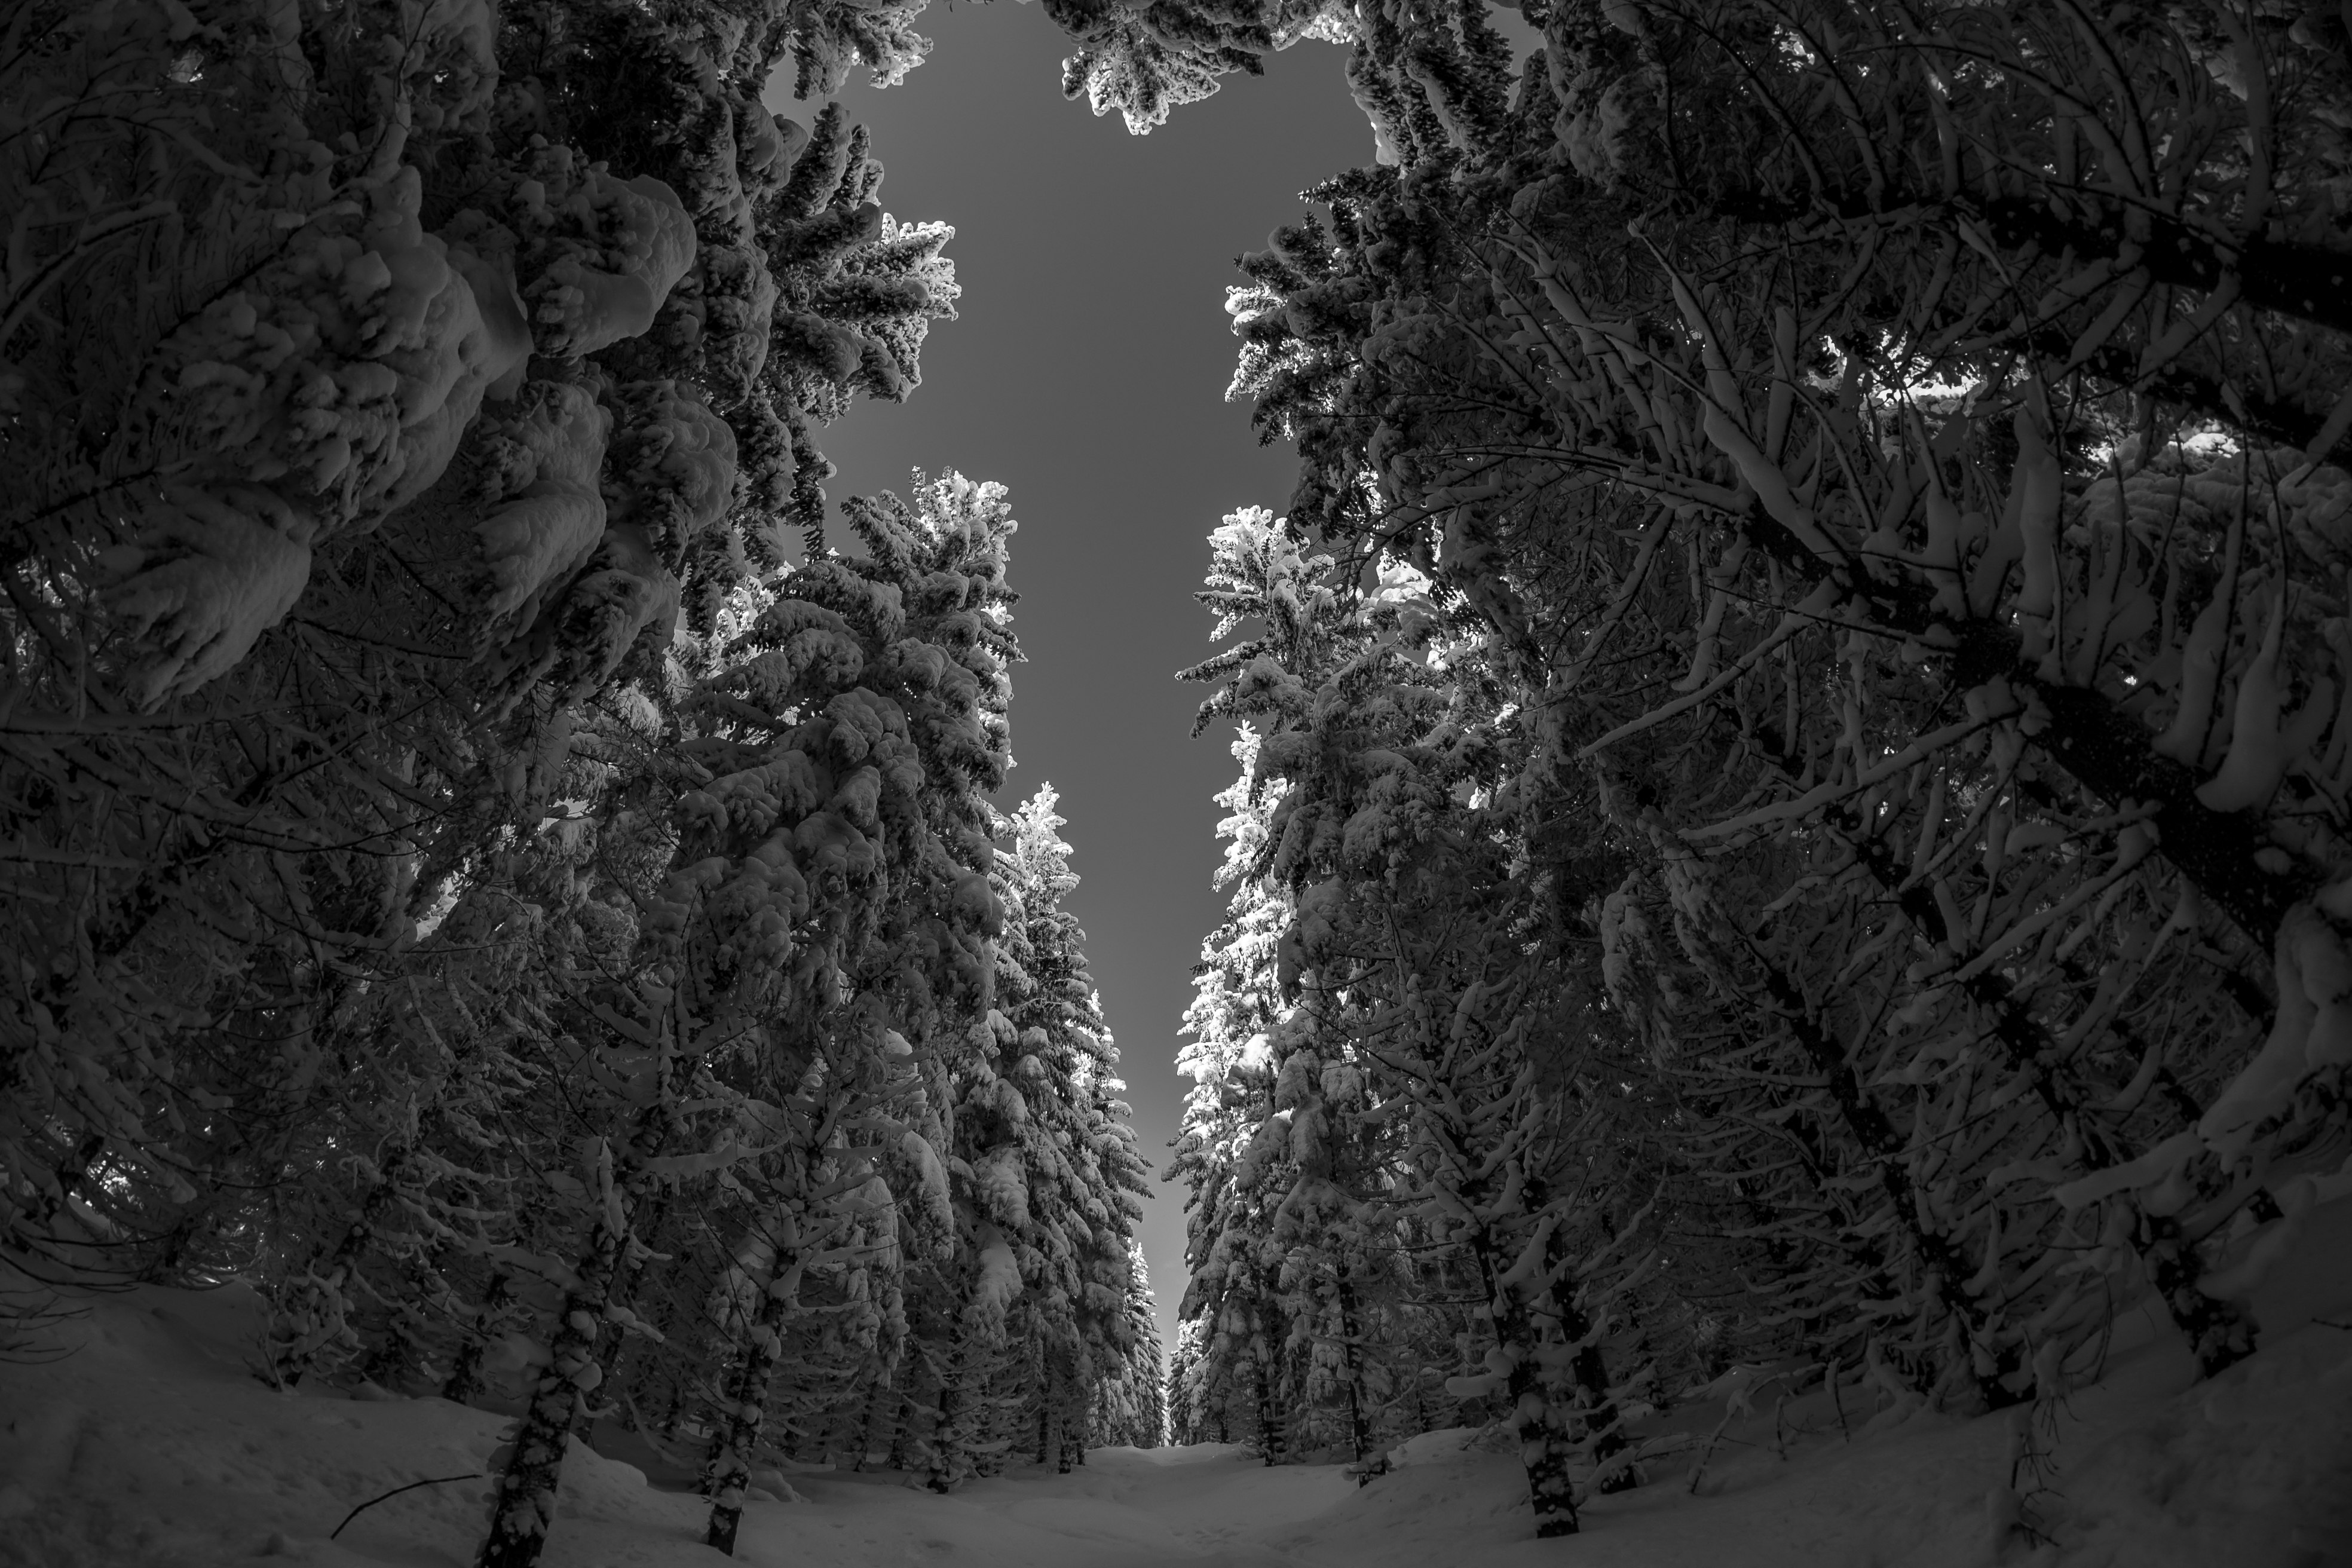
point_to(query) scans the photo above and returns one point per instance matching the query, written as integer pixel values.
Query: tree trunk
(615, 1341)
(322, 1309)
(1546, 1446)
(464, 1380)
(524, 1507)
(2219, 1333)
(394, 1355)
(737, 1440)
(1269, 1417)
(876, 1398)
(1548, 1441)
(946, 1441)
(1351, 1351)
(675, 1413)
(1603, 1430)
(1045, 1423)
(902, 1457)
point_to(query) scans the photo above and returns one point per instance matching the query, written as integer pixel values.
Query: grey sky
(1087, 372)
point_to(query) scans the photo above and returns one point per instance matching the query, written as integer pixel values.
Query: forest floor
(152, 1444)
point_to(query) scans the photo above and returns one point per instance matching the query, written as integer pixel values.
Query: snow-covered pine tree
(1235, 1005)
(408, 1179)
(1129, 1401)
(1939, 771)
(1334, 1232)
(648, 1091)
(501, 389)
(830, 898)
(391, 519)
(459, 1050)
(1418, 976)
(1184, 1427)
(1054, 1180)
(1233, 1164)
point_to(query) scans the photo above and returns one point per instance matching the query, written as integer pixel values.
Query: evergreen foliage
(1795, 744)
(480, 867)
(1798, 816)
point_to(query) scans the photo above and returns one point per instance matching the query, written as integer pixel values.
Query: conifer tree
(489, 864)
(837, 857)
(1869, 648)
(1380, 732)
(1052, 1185)
(519, 387)
(1184, 1427)
(1129, 1401)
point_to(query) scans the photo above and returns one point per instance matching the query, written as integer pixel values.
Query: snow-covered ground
(152, 1444)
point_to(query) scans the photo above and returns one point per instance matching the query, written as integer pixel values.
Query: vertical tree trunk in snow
(902, 1434)
(1351, 1351)
(1887, 1150)
(947, 1442)
(614, 1346)
(1269, 1414)
(1546, 1445)
(1600, 1414)
(398, 1353)
(674, 1413)
(745, 1414)
(465, 1379)
(1559, 1396)
(879, 1399)
(322, 1304)
(2219, 1332)
(524, 1507)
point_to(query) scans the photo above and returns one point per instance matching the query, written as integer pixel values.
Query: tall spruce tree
(1877, 661)
(491, 863)
(521, 382)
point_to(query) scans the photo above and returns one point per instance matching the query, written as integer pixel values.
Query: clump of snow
(995, 1287)
(332, 389)
(623, 244)
(211, 571)
(624, 590)
(546, 459)
(675, 463)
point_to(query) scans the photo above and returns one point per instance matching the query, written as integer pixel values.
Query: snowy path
(1219, 1508)
(1204, 1508)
